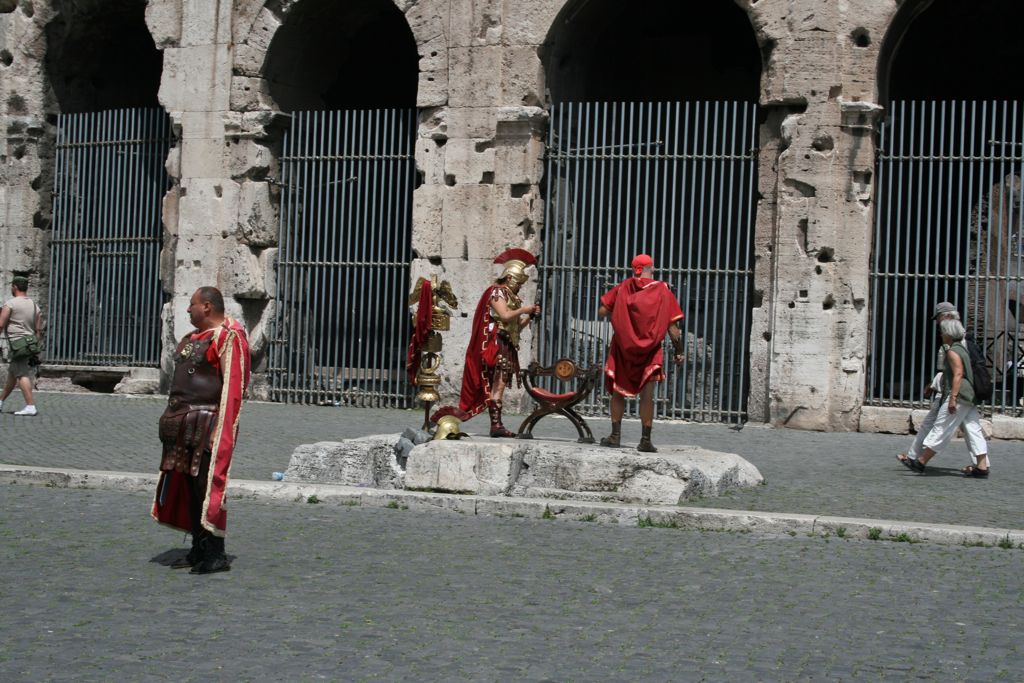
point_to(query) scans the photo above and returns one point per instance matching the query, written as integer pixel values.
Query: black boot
(645, 445)
(497, 429)
(214, 559)
(195, 554)
(614, 439)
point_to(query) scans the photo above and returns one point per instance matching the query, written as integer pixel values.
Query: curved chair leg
(526, 428)
(582, 428)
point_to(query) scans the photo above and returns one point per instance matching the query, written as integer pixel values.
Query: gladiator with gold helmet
(492, 358)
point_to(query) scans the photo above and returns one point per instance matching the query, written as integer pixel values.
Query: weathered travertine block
(369, 461)
(460, 467)
(576, 471)
(257, 215)
(474, 76)
(139, 381)
(886, 420)
(1004, 427)
(469, 161)
(196, 78)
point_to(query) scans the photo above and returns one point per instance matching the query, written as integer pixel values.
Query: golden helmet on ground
(448, 428)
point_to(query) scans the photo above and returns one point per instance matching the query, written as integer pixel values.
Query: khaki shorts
(21, 368)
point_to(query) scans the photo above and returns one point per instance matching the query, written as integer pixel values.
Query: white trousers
(939, 427)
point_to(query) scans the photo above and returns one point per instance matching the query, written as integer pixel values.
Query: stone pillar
(201, 208)
(814, 332)
(480, 158)
(26, 149)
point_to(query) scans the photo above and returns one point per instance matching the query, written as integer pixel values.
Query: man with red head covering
(642, 311)
(492, 358)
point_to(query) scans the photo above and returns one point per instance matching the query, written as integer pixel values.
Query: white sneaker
(28, 410)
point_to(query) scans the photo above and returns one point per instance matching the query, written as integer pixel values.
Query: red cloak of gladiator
(642, 311)
(229, 353)
(483, 345)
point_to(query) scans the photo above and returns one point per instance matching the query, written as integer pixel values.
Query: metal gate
(948, 228)
(676, 180)
(343, 270)
(109, 184)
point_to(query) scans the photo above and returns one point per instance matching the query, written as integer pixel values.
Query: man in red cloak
(492, 357)
(642, 311)
(198, 430)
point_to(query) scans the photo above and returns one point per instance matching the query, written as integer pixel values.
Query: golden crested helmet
(448, 428)
(515, 271)
(516, 261)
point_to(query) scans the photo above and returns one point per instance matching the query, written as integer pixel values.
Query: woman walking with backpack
(958, 406)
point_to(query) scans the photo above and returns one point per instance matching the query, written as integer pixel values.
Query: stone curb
(703, 519)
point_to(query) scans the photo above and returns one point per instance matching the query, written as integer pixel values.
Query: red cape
(424, 320)
(475, 387)
(642, 311)
(229, 351)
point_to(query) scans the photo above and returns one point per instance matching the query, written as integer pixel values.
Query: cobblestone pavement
(846, 474)
(352, 594)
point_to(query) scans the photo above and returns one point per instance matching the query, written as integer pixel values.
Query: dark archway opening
(948, 221)
(658, 50)
(347, 72)
(343, 55)
(652, 149)
(954, 50)
(100, 55)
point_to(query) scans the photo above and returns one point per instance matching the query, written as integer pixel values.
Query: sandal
(973, 471)
(911, 463)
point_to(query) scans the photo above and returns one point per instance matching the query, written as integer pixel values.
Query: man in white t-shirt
(19, 318)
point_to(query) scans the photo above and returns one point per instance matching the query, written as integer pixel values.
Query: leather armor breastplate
(195, 381)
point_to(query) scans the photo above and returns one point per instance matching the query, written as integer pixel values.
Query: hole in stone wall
(767, 336)
(449, 179)
(487, 178)
(826, 254)
(829, 303)
(19, 152)
(817, 270)
(6, 58)
(28, 9)
(835, 91)
(343, 55)
(804, 189)
(757, 298)
(801, 227)
(861, 37)
(16, 104)
(803, 293)
(792, 304)
(519, 191)
(823, 142)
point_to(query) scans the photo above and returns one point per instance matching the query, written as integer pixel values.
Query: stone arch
(259, 21)
(675, 51)
(920, 60)
(101, 55)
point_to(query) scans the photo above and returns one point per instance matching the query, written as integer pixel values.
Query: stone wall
(482, 98)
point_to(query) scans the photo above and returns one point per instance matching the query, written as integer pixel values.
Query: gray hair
(954, 329)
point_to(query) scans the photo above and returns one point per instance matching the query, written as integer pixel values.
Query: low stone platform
(535, 468)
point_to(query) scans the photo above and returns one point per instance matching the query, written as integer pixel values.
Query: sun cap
(641, 261)
(942, 308)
